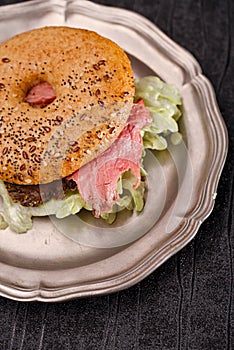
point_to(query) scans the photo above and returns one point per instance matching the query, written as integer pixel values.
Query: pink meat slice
(97, 180)
(41, 95)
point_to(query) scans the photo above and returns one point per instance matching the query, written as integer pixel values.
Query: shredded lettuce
(3, 223)
(163, 102)
(134, 194)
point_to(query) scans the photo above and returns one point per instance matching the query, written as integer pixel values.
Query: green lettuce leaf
(163, 102)
(17, 217)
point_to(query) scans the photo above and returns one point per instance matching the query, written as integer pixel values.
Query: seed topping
(46, 128)
(22, 167)
(5, 150)
(6, 60)
(32, 149)
(76, 149)
(30, 139)
(37, 159)
(25, 155)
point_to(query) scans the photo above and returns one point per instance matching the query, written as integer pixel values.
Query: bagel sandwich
(70, 127)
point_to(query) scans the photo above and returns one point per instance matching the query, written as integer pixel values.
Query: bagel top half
(93, 82)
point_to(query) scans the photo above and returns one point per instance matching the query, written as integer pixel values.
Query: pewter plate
(80, 256)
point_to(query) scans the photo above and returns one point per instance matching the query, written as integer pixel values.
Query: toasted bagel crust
(93, 82)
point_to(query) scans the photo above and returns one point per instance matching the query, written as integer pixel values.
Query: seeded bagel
(94, 88)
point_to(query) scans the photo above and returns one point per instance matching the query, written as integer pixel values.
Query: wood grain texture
(188, 302)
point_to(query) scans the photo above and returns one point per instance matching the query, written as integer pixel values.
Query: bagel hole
(40, 95)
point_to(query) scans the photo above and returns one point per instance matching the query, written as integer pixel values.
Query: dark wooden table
(188, 302)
